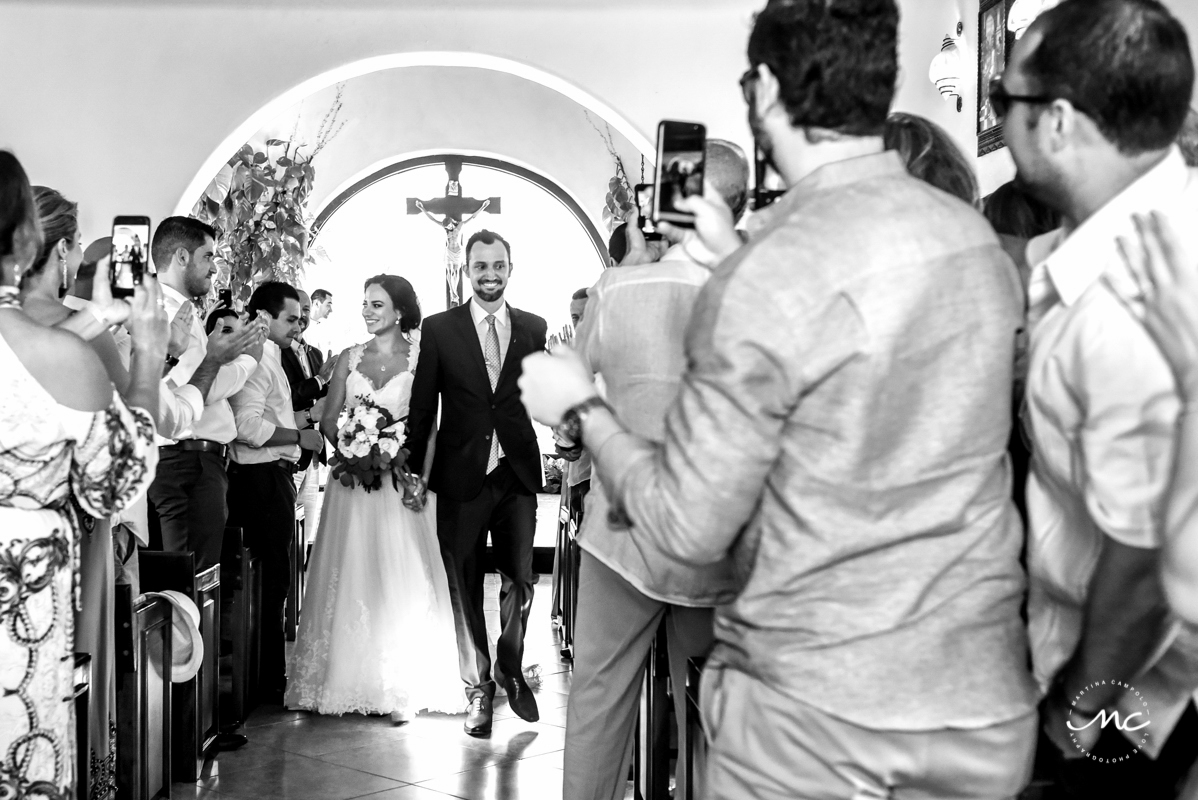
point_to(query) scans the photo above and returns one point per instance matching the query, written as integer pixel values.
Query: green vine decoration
(258, 205)
(620, 196)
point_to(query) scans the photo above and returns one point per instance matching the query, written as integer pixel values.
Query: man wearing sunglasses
(1092, 99)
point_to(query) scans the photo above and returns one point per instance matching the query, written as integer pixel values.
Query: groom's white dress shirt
(503, 329)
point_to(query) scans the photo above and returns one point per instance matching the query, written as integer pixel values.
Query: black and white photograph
(599, 400)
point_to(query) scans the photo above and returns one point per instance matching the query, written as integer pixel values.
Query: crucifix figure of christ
(452, 212)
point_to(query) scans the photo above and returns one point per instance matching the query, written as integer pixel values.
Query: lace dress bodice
(394, 395)
(49, 452)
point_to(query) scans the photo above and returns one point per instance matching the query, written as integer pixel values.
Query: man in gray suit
(632, 334)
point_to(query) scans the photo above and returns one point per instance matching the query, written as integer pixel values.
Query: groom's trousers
(509, 511)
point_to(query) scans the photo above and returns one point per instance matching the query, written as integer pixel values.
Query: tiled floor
(294, 755)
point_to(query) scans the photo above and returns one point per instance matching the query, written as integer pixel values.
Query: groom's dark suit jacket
(451, 366)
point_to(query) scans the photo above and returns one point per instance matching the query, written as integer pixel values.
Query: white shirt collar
(172, 299)
(1075, 259)
(272, 350)
(479, 314)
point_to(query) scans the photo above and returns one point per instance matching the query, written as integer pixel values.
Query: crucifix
(454, 212)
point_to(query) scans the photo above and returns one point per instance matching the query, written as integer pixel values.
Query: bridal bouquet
(369, 447)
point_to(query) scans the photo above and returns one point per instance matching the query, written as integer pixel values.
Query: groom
(486, 469)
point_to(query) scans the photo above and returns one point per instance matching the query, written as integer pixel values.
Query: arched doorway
(366, 230)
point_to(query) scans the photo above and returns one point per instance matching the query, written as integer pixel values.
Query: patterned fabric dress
(49, 455)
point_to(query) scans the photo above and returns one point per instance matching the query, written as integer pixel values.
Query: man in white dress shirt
(187, 497)
(261, 474)
(1093, 98)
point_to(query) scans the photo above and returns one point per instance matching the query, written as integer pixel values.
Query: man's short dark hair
(176, 232)
(1126, 64)
(320, 295)
(836, 61)
(487, 237)
(581, 294)
(215, 317)
(271, 297)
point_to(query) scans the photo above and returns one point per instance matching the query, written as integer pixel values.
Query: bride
(376, 635)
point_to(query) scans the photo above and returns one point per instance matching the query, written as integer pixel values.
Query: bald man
(632, 333)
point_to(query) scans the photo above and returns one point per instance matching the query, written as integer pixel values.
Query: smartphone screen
(679, 169)
(767, 184)
(130, 254)
(644, 207)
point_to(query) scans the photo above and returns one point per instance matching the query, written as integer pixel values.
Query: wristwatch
(171, 361)
(575, 416)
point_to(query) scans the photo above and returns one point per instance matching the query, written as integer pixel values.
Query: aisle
(294, 755)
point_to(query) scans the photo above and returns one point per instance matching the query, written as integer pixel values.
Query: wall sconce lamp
(948, 68)
(1024, 12)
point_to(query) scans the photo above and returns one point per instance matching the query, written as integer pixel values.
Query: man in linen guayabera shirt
(632, 335)
(1095, 94)
(842, 429)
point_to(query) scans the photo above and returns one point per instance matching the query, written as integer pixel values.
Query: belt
(198, 446)
(290, 467)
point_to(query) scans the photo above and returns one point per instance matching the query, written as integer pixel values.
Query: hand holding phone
(130, 260)
(679, 174)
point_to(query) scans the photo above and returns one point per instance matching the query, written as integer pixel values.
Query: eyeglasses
(1001, 99)
(747, 79)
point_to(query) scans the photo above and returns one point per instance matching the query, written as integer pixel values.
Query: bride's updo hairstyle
(403, 297)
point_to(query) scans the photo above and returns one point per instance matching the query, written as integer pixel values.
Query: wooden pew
(241, 582)
(651, 753)
(81, 696)
(196, 703)
(295, 595)
(693, 753)
(143, 665)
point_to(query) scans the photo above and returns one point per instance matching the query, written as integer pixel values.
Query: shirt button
(492, 406)
(488, 437)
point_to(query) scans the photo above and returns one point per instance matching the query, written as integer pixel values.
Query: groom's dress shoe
(520, 698)
(478, 717)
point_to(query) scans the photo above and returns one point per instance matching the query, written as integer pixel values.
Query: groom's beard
(489, 296)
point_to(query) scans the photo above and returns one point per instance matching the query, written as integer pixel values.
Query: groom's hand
(553, 384)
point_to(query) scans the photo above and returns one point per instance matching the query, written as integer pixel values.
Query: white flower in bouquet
(359, 449)
(389, 446)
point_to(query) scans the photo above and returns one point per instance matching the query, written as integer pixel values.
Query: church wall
(119, 103)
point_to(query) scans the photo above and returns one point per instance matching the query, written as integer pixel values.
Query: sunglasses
(1001, 100)
(746, 81)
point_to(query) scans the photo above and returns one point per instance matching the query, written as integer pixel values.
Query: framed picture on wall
(994, 43)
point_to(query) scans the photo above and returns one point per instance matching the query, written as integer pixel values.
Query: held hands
(415, 494)
(553, 384)
(1165, 296)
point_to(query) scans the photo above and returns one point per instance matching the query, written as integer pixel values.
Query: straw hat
(187, 646)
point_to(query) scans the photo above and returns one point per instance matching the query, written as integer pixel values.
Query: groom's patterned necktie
(491, 356)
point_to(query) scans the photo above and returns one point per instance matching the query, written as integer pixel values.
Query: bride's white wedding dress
(376, 634)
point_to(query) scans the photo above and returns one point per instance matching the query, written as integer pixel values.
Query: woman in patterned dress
(64, 433)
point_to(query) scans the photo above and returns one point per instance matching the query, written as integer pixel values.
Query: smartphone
(224, 298)
(644, 207)
(130, 254)
(767, 184)
(679, 169)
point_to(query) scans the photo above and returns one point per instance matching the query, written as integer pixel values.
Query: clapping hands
(1165, 296)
